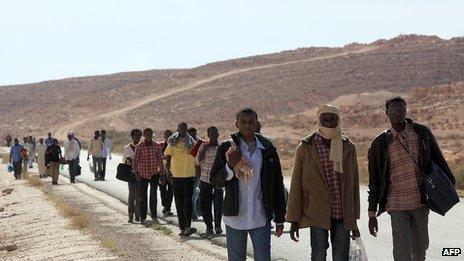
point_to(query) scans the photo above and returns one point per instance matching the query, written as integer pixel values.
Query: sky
(54, 39)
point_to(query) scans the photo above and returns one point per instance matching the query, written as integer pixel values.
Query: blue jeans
(237, 243)
(339, 238)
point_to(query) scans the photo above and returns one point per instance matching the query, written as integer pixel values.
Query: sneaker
(182, 233)
(189, 231)
(207, 234)
(137, 219)
(218, 230)
(73, 181)
(155, 220)
(96, 180)
(131, 220)
(102, 179)
(143, 222)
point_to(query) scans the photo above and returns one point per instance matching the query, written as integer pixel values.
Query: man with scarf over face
(324, 193)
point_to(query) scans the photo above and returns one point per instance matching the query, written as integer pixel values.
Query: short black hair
(182, 124)
(211, 128)
(147, 130)
(247, 110)
(192, 129)
(394, 99)
(96, 132)
(135, 131)
(168, 132)
(103, 131)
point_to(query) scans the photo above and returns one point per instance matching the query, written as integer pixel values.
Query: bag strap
(413, 159)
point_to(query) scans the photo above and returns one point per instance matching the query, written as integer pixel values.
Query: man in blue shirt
(16, 159)
(49, 140)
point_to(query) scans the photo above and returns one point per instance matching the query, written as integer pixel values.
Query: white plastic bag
(357, 250)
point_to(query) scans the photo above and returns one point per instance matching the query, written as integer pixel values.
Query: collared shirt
(49, 142)
(182, 163)
(207, 163)
(15, 153)
(96, 147)
(106, 150)
(251, 211)
(332, 177)
(71, 150)
(147, 159)
(128, 153)
(404, 193)
(40, 151)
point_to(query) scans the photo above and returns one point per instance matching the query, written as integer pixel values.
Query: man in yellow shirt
(182, 166)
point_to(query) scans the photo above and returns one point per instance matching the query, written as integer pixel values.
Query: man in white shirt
(71, 155)
(27, 146)
(106, 152)
(39, 153)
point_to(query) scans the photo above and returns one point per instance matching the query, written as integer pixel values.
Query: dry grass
(110, 245)
(77, 218)
(4, 157)
(164, 229)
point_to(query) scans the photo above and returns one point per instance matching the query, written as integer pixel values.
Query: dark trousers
(339, 239)
(410, 234)
(209, 196)
(72, 165)
(17, 169)
(143, 184)
(166, 195)
(133, 206)
(183, 191)
(103, 172)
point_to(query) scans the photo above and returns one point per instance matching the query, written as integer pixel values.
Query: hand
(355, 234)
(294, 232)
(279, 230)
(88, 158)
(373, 226)
(234, 157)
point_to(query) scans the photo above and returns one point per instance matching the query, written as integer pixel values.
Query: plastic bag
(9, 167)
(357, 250)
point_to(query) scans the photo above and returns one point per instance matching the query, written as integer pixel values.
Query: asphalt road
(444, 232)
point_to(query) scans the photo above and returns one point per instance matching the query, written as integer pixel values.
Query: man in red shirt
(148, 165)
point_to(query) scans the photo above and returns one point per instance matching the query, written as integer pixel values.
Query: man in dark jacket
(248, 166)
(398, 158)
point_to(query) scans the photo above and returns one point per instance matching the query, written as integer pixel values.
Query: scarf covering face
(333, 134)
(189, 141)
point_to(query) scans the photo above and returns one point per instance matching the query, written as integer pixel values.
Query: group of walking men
(324, 191)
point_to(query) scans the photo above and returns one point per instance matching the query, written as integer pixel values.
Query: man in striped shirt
(148, 165)
(205, 159)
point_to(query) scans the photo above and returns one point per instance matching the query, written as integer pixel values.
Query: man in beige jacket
(95, 149)
(324, 192)
(39, 153)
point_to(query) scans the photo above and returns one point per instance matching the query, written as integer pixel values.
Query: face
(182, 129)
(167, 134)
(41, 141)
(148, 135)
(103, 133)
(70, 137)
(397, 112)
(213, 134)
(136, 137)
(97, 134)
(193, 134)
(55, 142)
(49, 135)
(246, 124)
(16, 141)
(328, 120)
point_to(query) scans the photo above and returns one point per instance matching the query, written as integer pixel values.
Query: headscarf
(333, 134)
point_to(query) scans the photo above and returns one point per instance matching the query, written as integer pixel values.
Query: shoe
(131, 220)
(207, 234)
(218, 230)
(102, 179)
(96, 180)
(137, 219)
(143, 222)
(73, 181)
(182, 233)
(189, 231)
(155, 220)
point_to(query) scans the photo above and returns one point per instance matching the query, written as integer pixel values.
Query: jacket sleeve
(357, 203)
(374, 176)
(295, 197)
(278, 193)
(218, 173)
(437, 156)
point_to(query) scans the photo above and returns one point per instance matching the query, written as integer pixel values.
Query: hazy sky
(42, 40)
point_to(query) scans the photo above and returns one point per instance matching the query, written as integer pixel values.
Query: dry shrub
(4, 157)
